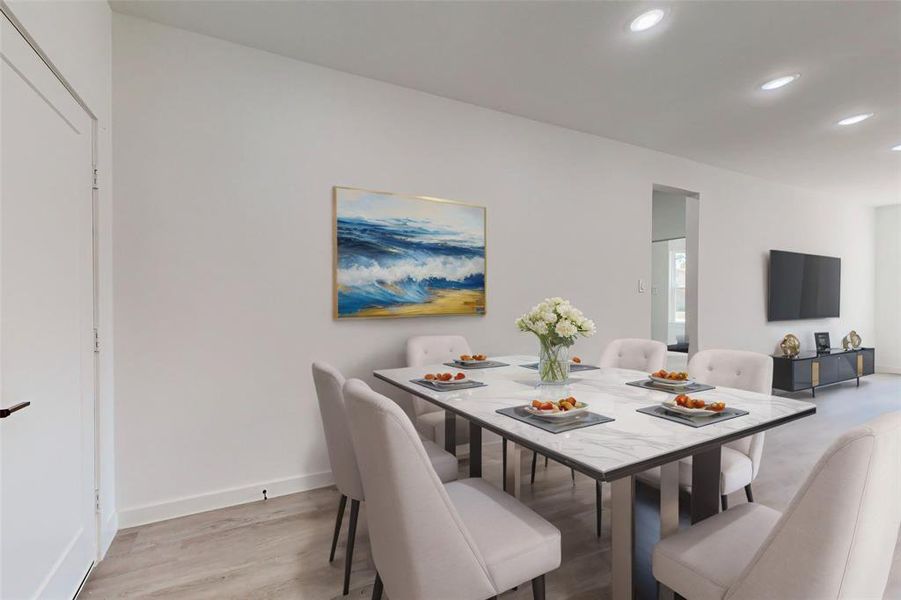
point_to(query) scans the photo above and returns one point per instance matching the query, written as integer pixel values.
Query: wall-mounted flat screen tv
(803, 286)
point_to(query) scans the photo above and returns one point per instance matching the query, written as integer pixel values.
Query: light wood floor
(279, 548)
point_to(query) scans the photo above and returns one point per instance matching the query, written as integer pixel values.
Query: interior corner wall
(888, 289)
(225, 159)
(77, 38)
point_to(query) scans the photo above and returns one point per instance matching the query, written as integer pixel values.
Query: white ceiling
(688, 87)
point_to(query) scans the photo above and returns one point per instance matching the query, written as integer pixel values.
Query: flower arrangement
(557, 324)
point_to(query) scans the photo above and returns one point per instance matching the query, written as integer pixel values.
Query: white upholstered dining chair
(627, 353)
(836, 539)
(329, 382)
(431, 349)
(637, 354)
(464, 540)
(740, 461)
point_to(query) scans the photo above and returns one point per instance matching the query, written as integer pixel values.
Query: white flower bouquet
(557, 324)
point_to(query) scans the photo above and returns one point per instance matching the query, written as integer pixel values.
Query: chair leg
(534, 462)
(538, 588)
(749, 493)
(341, 504)
(545, 462)
(572, 474)
(724, 501)
(351, 535)
(377, 587)
(597, 504)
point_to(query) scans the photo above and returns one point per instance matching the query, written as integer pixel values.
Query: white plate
(671, 382)
(553, 416)
(690, 412)
(469, 363)
(451, 384)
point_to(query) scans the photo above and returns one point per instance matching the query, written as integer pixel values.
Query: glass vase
(553, 363)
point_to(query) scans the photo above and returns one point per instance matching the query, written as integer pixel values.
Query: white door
(47, 518)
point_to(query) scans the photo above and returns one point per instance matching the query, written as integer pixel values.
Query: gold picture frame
(400, 255)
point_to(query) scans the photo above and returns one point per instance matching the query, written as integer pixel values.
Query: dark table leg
(450, 432)
(705, 484)
(475, 450)
(504, 461)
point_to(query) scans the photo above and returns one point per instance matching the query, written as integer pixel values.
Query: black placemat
(659, 411)
(573, 367)
(688, 389)
(488, 364)
(462, 386)
(585, 419)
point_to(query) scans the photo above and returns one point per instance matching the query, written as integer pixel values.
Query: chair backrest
(640, 355)
(329, 382)
(429, 349)
(419, 544)
(749, 371)
(838, 535)
(739, 369)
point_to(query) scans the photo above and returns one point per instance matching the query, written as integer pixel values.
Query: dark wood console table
(810, 370)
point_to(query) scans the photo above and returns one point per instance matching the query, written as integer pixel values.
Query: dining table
(615, 451)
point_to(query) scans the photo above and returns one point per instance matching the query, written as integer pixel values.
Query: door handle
(5, 412)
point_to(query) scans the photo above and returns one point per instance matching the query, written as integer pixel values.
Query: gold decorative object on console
(790, 345)
(852, 340)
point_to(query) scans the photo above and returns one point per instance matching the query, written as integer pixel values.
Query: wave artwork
(407, 256)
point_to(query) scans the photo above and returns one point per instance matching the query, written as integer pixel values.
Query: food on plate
(576, 360)
(472, 357)
(686, 401)
(465, 357)
(671, 375)
(562, 405)
(479, 357)
(443, 376)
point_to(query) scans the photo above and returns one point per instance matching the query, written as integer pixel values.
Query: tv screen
(803, 286)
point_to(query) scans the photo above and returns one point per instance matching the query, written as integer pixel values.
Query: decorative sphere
(790, 345)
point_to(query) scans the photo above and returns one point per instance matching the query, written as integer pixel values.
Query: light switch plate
(641, 286)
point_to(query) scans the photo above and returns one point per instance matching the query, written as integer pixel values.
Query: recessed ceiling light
(775, 84)
(897, 148)
(646, 20)
(855, 119)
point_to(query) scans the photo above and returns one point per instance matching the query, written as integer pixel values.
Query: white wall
(888, 289)
(668, 218)
(659, 291)
(225, 160)
(77, 38)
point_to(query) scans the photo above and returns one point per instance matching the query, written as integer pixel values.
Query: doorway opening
(674, 272)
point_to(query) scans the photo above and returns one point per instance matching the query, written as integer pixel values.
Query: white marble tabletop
(631, 443)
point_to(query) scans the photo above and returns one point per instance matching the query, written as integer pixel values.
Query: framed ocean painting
(407, 256)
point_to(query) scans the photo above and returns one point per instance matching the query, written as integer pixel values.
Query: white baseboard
(68, 571)
(189, 505)
(108, 530)
(888, 369)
